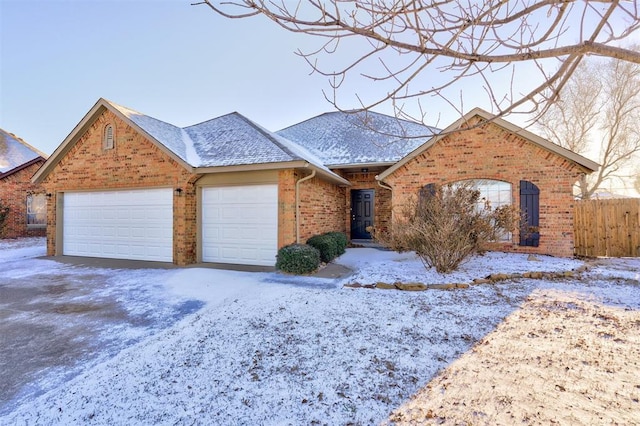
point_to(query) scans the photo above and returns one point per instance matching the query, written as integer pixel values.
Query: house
(227, 191)
(23, 201)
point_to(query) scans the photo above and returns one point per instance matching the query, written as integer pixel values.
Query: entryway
(361, 213)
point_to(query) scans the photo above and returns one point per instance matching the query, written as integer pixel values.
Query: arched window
(493, 194)
(109, 137)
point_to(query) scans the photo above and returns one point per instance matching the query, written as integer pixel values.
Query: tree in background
(599, 111)
(412, 49)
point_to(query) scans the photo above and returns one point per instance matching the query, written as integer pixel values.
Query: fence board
(607, 227)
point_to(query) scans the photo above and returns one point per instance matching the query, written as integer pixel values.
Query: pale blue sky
(176, 62)
(179, 63)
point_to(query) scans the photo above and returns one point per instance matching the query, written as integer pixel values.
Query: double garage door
(239, 224)
(136, 225)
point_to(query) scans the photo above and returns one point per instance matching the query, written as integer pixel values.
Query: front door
(361, 213)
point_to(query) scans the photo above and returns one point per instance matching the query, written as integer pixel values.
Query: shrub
(4, 213)
(341, 241)
(298, 259)
(444, 226)
(326, 245)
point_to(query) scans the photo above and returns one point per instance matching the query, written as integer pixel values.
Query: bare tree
(599, 111)
(418, 48)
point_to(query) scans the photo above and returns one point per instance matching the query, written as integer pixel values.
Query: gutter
(311, 176)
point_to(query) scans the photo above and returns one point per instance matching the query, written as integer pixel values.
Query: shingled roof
(231, 140)
(352, 138)
(15, 153)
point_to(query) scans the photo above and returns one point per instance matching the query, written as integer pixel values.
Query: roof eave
(251, 167)
(330, 176)
(21, 167)
(282, 165)
(367, 164)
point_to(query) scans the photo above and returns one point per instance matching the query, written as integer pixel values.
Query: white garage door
(136, 224)
(240, 224)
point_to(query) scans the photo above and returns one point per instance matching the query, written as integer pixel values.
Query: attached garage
(134, 224)
(240, 224)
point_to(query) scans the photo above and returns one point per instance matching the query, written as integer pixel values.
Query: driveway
(58, 320)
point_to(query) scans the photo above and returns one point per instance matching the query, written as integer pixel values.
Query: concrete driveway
(59, 319)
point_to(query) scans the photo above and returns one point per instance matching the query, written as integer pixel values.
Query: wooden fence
(607, 227)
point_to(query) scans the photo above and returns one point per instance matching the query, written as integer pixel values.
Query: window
(493, 194)
(36, 211)
(109, 137)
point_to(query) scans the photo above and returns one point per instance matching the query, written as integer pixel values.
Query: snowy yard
(273, 350)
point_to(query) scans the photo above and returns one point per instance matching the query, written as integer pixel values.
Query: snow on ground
(267, 351)
(373, 265)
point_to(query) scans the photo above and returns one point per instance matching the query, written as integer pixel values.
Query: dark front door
(361, 213)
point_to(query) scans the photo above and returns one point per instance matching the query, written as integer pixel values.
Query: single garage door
(240, 224)
(136, 224)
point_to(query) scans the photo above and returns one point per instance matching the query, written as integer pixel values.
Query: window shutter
(427, 191)
(530, 214)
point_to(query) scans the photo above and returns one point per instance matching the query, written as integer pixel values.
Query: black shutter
(530, 214)
(427, 191)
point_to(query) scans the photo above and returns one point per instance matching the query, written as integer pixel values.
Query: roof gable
(229, 140)
(486, 116)
(16, 153)
(348, 138)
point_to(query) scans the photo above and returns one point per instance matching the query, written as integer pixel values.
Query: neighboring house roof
(584, 162)
(353, 138)
(16, 154)
(229, 142)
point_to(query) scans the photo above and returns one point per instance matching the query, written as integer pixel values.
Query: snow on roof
(340, 138)
(167, 134)
(14, 152)
(229, 140)
(233, 139)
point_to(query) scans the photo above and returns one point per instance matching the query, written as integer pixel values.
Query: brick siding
(14, 190)
(134, 163)
(491, 152)
(322, 208)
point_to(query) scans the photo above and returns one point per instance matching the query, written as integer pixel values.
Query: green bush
(341, 241)
(298, 259)
(326, 245)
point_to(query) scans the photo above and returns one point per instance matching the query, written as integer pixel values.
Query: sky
(168, 59)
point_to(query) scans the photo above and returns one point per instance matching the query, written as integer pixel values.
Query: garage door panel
(239, 224)
(136, 224)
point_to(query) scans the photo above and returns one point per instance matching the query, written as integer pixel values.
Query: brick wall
(287, 206)
(490, 152)
(13, 194)
(133, 163)
(381, 199)
(321, 208)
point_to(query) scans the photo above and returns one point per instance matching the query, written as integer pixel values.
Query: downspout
(383, 185)
(311, 176)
